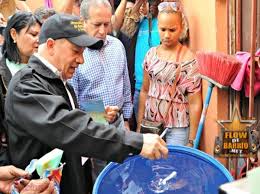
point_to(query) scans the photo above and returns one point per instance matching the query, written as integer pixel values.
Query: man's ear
(13, 34)
(50, 43)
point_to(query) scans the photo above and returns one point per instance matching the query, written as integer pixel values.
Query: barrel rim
(182, 149)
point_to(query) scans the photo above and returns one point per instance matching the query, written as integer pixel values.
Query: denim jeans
(99, 165)
(177, 136)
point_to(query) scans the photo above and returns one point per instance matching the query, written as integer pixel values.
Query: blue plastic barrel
(197, 173)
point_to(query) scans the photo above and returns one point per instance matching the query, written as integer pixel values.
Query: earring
(14, 41)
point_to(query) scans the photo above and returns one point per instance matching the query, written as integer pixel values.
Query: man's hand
(39, 186)
(111, 113)
(8, 174)
(154, 147)
(11, 172)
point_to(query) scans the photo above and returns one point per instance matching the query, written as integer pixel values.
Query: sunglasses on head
(175, 6)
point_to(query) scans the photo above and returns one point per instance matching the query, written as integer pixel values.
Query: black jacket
(40, 117)
(5, 77)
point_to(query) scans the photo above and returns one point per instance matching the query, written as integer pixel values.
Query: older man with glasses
(104, 74)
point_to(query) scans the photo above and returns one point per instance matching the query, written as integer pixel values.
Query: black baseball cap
(69, 27)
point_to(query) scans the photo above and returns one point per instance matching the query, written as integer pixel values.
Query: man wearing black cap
(42, 114)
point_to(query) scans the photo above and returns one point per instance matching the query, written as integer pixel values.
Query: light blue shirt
(104, 75)
(142, 46)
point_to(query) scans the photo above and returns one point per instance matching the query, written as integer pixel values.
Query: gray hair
(86, 4)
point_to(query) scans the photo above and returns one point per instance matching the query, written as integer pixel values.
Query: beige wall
(202, 22)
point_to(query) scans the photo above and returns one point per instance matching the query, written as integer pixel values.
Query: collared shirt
(58, 73)
(104, 75)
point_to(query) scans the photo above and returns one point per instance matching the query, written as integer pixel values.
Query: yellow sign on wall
(236, 138)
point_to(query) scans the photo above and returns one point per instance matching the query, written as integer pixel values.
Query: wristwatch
(191, 141)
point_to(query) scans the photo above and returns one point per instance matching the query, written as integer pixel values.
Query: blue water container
(195, 172)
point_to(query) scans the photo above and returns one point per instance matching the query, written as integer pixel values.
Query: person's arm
(21, 5)
(194, 95)
(118, 17)
(58, 126)
(142, 99)
(195, 108)
(131, 19)
(38, 109)
(72, 127)
(137, 5)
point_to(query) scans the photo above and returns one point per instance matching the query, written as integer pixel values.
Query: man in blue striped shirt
(104, 74)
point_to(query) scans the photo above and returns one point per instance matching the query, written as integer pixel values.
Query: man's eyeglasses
(175, 6)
